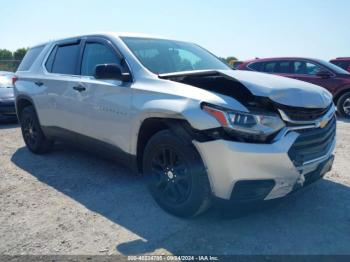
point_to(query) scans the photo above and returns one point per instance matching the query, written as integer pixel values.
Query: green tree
(5, 54)
(231, 60)
(9, 61)
(20, 53)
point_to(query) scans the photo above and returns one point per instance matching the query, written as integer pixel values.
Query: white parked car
(174, 112)
(7, 99)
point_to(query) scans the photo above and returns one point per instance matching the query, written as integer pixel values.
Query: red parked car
(335, 79)
(343, 62)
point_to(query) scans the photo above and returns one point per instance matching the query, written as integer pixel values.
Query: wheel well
(151, 126)
(21, 104)
(338, 95)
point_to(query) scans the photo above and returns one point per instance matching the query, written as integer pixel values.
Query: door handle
(39, 83)
(79, 88)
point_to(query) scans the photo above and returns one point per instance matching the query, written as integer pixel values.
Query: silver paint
(112, 111)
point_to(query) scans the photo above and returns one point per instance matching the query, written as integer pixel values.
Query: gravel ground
(70, 202)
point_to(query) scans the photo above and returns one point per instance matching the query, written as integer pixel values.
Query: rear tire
(177, 177)
(343, 105)
(32, 133)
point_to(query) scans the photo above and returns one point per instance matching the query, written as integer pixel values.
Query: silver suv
(171, 110)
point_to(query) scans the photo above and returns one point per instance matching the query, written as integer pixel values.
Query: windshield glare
(168, 56)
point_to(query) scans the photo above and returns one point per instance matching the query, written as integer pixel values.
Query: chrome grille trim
(327, 116)
(301, 125)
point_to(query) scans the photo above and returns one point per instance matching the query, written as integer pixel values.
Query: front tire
(32, 133)
(177, 177)
(343, 105)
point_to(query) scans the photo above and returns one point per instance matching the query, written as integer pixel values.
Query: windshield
(334, 68)
(168, 56)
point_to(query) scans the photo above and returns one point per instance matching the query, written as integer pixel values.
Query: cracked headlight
(247, 126)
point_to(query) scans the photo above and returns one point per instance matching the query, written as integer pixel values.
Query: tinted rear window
(66, 59)
(285, 67)
(270, 67)
(29, 58)
(257, 66)
(49, 61)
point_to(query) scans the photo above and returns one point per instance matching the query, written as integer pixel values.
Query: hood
(243, 85)
(283, 90)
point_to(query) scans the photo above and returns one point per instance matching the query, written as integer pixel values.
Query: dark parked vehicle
(343, 62)
(7, 104)
(333, 78)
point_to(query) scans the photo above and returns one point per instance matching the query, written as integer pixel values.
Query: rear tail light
(14, 80)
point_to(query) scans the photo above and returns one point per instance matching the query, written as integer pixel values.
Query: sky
(245, 29)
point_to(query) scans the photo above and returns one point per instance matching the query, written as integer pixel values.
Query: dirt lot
(70, 202)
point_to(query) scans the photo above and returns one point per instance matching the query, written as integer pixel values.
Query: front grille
(313, 143)
(305, 114)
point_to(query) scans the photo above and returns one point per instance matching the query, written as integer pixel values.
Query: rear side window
(65, 59)
(49, 61)
(95, 54)
(258, 66)
(270, 67)
(284, 67)
(29, 58)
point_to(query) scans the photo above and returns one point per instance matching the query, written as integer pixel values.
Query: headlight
(252, 126)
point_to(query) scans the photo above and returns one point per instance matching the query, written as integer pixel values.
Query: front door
(105, 103)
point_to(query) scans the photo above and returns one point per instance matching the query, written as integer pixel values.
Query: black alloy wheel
(177, 178)
(32, 133)
(172, 175)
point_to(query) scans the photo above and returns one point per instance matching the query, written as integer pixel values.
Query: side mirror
(111, 72)
(324, 74)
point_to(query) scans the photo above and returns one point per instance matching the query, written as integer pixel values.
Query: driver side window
(95, 54)
(312, 69)
(306, 68)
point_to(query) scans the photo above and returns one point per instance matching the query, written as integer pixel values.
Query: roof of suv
(108, 34)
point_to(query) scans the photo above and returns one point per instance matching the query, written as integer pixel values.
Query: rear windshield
(29, 58)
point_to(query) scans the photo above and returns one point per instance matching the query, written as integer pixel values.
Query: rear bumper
(7, 110)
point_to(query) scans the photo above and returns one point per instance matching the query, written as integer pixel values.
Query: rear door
(61, 81)
(106, 103)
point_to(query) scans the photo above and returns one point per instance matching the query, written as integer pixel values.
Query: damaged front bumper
(241, 172)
